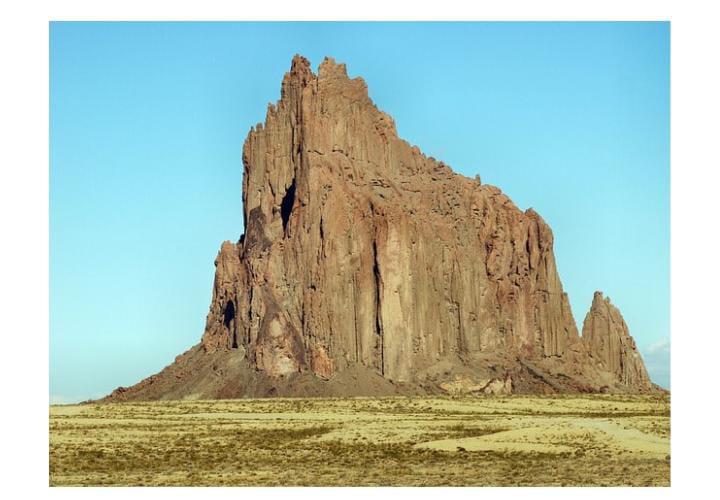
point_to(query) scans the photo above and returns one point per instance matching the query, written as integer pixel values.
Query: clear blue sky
(147, 123)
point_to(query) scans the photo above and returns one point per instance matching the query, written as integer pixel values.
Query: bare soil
(456, 441)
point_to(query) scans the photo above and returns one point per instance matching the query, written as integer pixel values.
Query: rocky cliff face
(608, 341)
(359, 248)
(361, 253)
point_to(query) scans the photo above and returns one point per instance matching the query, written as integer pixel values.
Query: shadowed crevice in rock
(287, 205)
(229, 322)
(378, 306)
(229, 314)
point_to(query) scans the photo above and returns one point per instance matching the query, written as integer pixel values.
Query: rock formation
(608, 341)
(368, 268)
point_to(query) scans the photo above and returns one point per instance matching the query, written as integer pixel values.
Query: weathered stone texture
(608, 341)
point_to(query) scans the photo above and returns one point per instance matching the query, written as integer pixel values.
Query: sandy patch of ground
(631, 440)
(507, 440)
(560, 436)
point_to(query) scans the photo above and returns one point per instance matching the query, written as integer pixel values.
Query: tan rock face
(368, 268)
(608, 341)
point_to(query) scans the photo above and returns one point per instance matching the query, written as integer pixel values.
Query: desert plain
(597, 440)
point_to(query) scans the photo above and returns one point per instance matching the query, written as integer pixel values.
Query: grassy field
(498, 441)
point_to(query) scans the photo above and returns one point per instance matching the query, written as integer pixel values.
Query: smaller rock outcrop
(469, 386)
(608, 341)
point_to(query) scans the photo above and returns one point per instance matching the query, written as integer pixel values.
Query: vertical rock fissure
(355, 322)
(458, 313)
(461, 334)
(249, 317)
(228, 321)
(378, 306)
(286, 206)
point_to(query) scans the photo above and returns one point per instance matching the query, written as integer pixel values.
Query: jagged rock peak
(368, 268)
(599, 300)
(302, 75)
(330, 69)
(607, 338)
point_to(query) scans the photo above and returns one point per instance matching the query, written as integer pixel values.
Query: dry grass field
(482, 441)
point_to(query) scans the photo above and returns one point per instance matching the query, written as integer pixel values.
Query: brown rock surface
(608, 341)
(361, 255)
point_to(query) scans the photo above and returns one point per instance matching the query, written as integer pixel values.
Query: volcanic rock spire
(369, 268)
(358, 248)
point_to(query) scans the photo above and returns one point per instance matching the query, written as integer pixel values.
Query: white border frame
(695, 85)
